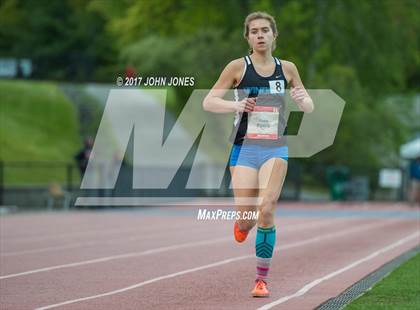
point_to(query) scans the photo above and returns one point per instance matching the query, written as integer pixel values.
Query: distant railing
(19, 179)
(24, 173)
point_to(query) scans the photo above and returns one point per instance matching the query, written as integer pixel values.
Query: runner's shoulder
(236, 64)
(234, 69)
(288, 65)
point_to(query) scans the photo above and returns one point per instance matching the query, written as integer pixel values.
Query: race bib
(263, 123)
(277, 87)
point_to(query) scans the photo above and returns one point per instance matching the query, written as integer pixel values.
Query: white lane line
(121, 256)
(102, 231)
(314, 283)
(48, 249)
(53, 235)
(138, 236)
(219, 263)
(65, 235)
(96, 232)
(147, 252)
(310, 224)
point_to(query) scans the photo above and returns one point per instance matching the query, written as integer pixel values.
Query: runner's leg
(244, 184)
(271, 178)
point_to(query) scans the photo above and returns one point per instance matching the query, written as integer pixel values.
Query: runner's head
(260, 31)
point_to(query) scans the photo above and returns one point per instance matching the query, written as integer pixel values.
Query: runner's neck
(262, 59)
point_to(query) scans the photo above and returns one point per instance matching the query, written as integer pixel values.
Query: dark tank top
(266, 125)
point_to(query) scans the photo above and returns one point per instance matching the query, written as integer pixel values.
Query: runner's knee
(246, 225)
(266, 216)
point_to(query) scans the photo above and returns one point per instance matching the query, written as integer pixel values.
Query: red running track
(164, 258)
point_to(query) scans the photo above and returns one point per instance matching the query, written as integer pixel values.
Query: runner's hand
(246, 105)
(298, 94)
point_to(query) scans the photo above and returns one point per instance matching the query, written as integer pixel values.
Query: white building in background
(10, 67)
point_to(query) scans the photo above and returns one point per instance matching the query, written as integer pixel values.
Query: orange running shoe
(260, 289)
(240, 235)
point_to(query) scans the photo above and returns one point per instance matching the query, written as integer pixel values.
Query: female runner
(258, 160)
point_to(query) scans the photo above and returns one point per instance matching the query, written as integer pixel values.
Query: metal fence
(32, 184)
(26, 177)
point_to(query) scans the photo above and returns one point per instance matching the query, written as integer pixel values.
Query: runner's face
(260, 36)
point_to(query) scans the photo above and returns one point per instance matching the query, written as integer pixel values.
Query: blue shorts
(254, 156)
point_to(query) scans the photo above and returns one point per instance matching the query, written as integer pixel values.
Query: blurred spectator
(338, 181)
(19, 72)
(82, 158)
(57, 196)
(415, 181)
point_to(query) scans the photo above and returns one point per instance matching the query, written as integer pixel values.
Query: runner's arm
(298, 91)
(214, 102)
